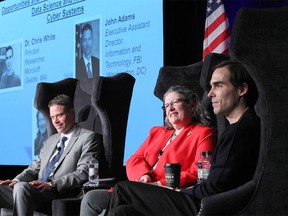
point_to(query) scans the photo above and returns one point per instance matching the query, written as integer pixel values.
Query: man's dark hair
(62, 100)
(86, 27)
(238, 76)
(9, 48)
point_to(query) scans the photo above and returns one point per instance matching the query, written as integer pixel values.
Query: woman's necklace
(173, 136)
(160, 152)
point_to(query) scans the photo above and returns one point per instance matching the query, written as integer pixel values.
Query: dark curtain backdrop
(184, 22)
(232, 6)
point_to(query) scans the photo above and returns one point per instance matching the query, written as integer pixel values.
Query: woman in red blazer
(186, 133)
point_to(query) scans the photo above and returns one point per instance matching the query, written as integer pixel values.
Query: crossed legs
(94, 202)
(134, 198)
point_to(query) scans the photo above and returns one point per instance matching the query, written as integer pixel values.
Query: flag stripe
(214, 16)
(220, 21)
(217, 32)
(221, 47)
(215, 39)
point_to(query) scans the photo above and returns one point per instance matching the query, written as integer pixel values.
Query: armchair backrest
(111, 100)
(86, 115)
(46, 92)
(101, 105)
(196, 76)
(178, 75)
(260, 41)
(182, 75)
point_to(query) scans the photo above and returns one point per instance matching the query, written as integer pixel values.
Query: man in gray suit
(35, 187)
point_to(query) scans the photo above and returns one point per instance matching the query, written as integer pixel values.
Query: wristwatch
(52, 185)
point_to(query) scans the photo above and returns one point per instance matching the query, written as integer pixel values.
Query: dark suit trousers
(134, 198)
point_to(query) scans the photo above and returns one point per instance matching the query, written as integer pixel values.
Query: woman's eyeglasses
(172, 103)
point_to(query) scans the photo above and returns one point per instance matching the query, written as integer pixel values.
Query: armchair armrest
(229, 202)
(104, 183)
(71, 206)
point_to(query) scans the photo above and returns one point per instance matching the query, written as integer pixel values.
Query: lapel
(51, 146)
(71, 143)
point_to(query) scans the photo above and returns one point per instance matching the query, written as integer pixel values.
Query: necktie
(54, 160)
(89, 71)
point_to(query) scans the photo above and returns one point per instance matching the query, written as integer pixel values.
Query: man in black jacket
(233, 95)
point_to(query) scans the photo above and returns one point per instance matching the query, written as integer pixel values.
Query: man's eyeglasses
(172, 103)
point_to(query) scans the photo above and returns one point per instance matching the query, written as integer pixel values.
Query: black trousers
(134, 198)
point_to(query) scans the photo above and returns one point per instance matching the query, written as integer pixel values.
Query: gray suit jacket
(72, 169)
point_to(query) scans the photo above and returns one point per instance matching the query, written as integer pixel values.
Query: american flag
(217, 33)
